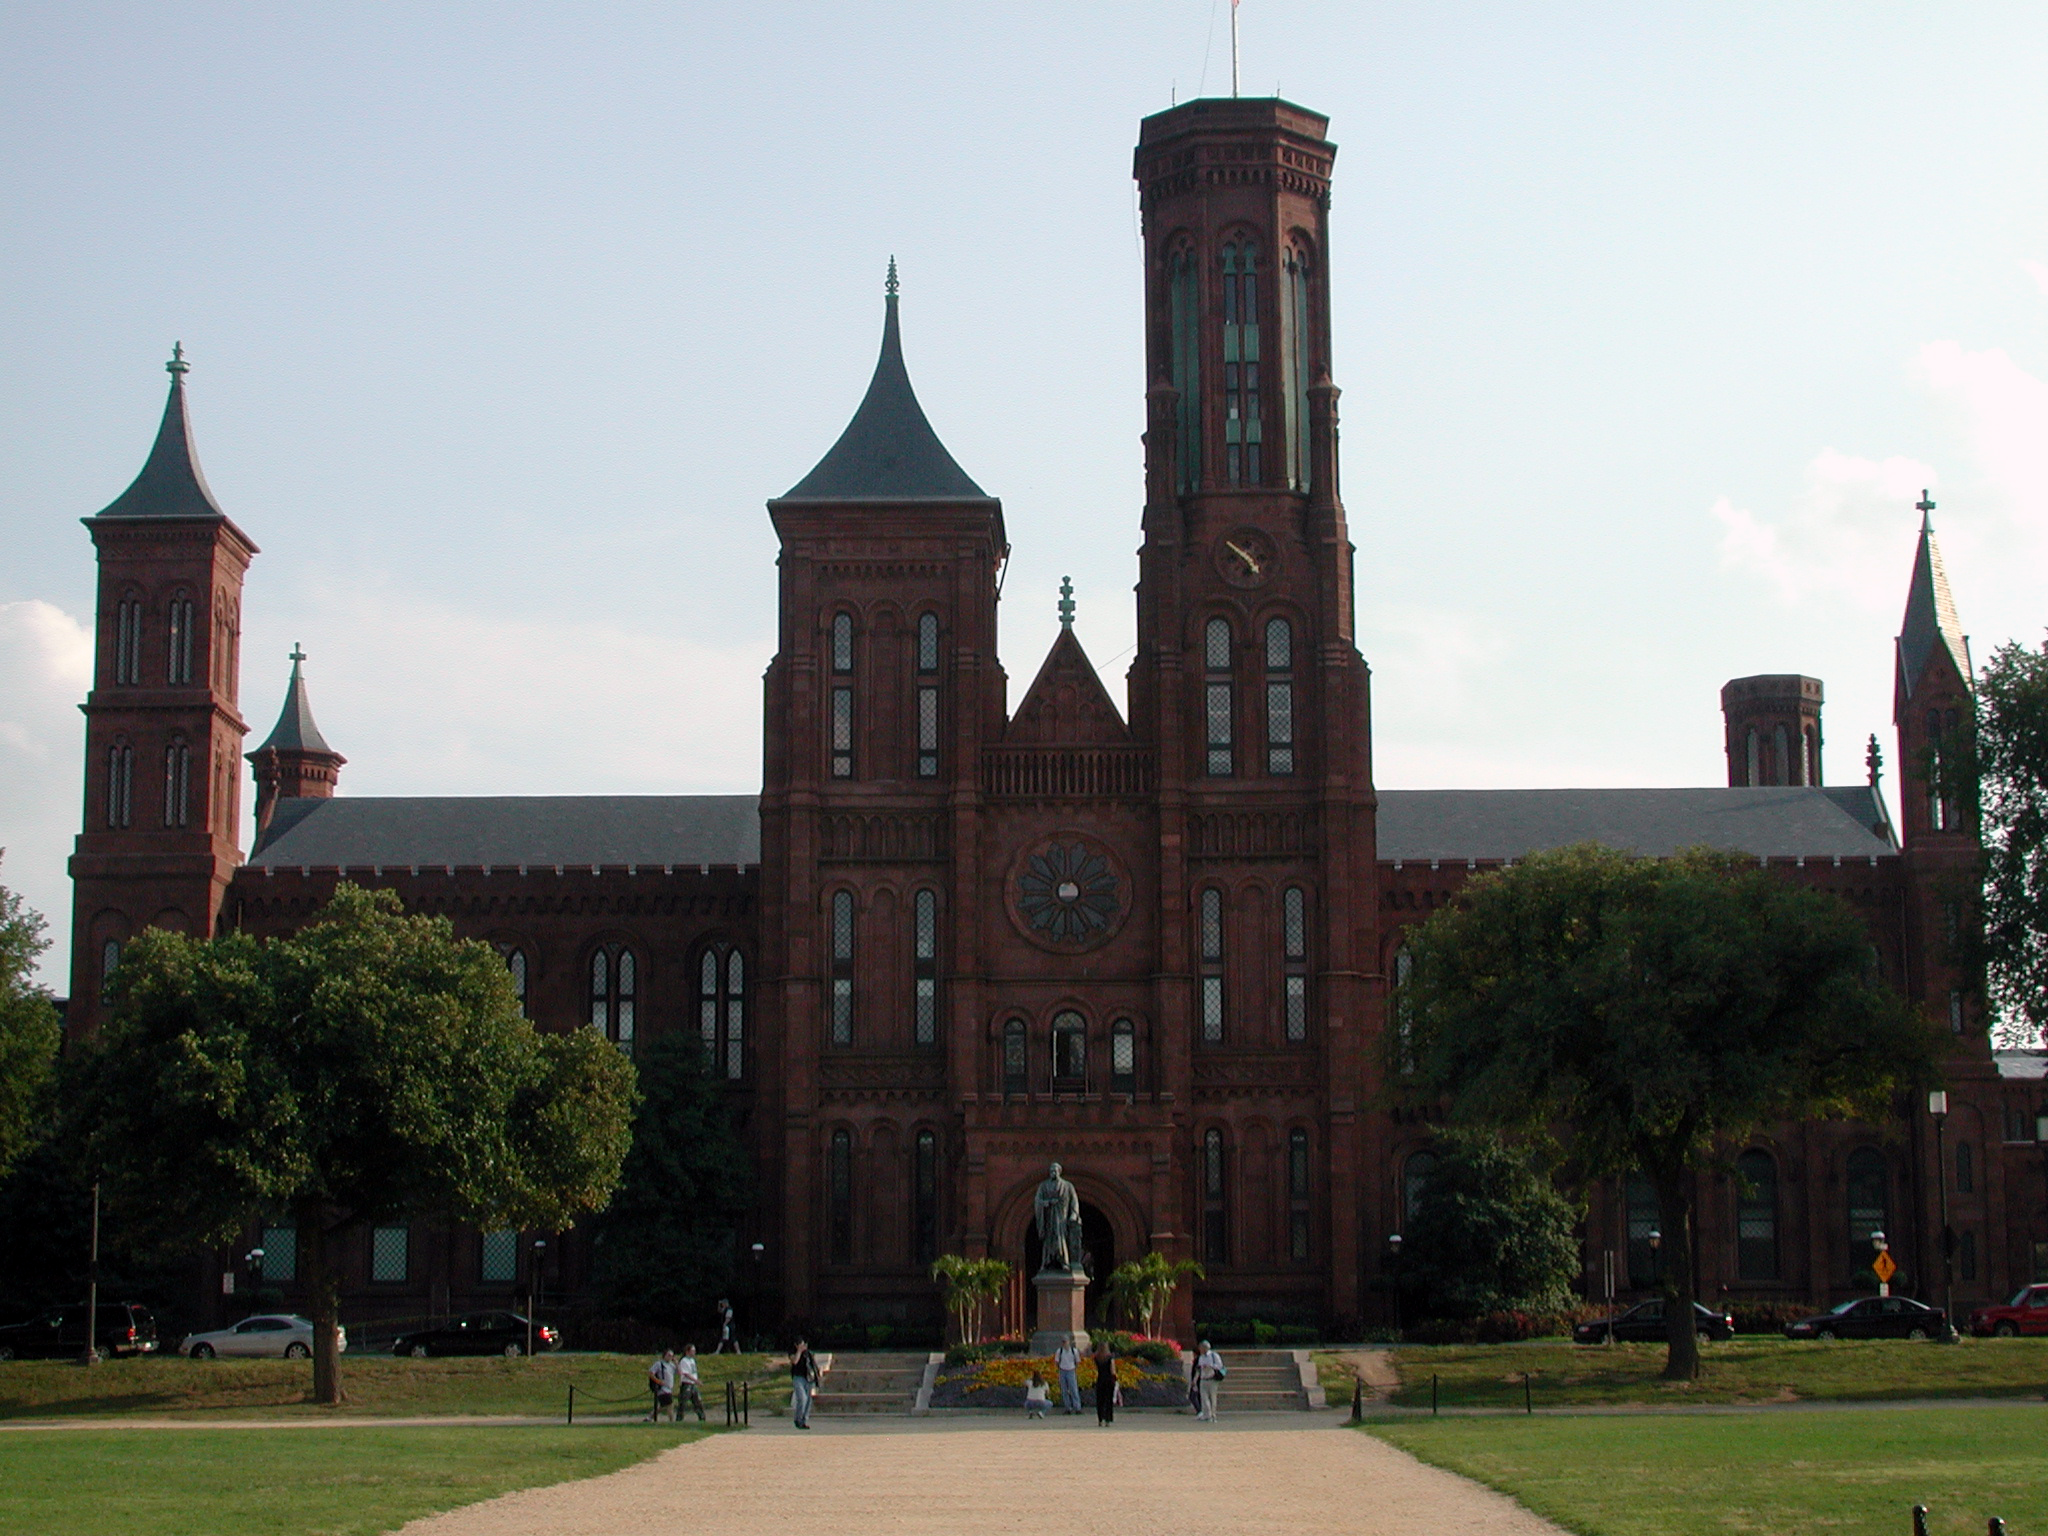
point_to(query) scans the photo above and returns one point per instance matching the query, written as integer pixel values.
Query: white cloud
(45, 668)
(2002, 412)
(1846, 534)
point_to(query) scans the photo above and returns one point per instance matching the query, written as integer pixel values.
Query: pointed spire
(170, 484)
(295, 730)
(1930, 619)
(888, 452)
(1066, 602)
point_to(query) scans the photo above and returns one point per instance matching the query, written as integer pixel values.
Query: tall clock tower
(1246, 676)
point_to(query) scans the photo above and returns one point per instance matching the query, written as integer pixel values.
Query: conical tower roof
(1931, 619)
(888, 452)
(295, 730)
(170, 484)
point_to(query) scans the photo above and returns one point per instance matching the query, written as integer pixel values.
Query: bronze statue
(1058, 1211)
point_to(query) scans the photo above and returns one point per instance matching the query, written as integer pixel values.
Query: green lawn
(376, 1385)
(289, 1482)
(1744, 1369)
(1846, 1472)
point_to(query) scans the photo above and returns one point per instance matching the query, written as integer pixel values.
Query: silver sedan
(274, 1335)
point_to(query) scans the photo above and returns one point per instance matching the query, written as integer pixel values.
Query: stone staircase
(871, 1383)
(1263, 1381)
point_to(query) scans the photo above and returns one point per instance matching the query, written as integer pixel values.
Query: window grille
(1243, 431)
(179, 668)
(1297, 1195)
(389, 1252)
(498, 1258)
(1211, 966)
(1279, 697)
(614, 994)
(1294, 963)
(1756, 1216)
(1016, 1058)
(925, 967)
(1216, 658)
(839, 1182)
(1069, 1052)
(1215, 1208)
(842, 967)
(1123, 1057)
(925, 1214)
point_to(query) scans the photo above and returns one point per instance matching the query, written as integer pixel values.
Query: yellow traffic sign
(1884, 1267)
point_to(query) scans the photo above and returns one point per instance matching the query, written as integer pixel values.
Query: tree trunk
(325, 1285)
(1674, 1210)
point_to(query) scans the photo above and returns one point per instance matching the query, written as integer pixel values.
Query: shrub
(879, 1335)
(1264, 1334)
(1299, 1333)
(1225, 1331)
(969, 1354)
(1769, 1316)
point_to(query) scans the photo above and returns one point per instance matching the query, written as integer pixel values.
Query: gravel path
(1161, 1473)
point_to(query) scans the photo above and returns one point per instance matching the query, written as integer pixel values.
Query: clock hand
(1250, 563)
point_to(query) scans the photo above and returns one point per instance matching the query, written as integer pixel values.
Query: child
(1036, 1397)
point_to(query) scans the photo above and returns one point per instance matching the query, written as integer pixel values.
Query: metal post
(1997, 1527)
(1607, 1264)
(92, 1286)
(1432, 1394)
(1919, 1520)
(1937, 1108)
(1357, 1400)
(1528, 1404)
(746, 1405)
(572, 1402)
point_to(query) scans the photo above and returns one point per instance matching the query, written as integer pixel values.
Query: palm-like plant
(969, 1285)
(1146, 1285)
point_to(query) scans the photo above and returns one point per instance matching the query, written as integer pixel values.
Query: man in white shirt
(688, 1394)
(661, 1379)
(1068, 1361)
(1208, 1372)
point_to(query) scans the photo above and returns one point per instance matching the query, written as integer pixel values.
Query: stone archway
(1112, 1230)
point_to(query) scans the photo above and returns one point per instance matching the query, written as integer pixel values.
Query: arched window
(928, 696)
(925, 966)
(842, 696)
(1279, 697)
(1185, 308)
(839, 1196)
(1415, 1177)
(614, 989)
(1966, 1169)
(1296, 344)
(1756, 1216)
(1781, 756)
(1297, 1195)
(515, 967)
(177, 783)
(1809, 757)
(128, 640)
(1242, 428)
(1123, 1057)
(925, 1186)
(1215, 1206)
(1210, 954)
(722, 1009)
(1294, 963)
(120, 784)
(179, 669)
(1216, 692)
(1751, 764)
(1404, 1012)
(1868, 1189)
(1016, 1058)
(842, 967)
(110, 957)
(1069, 1052)
(1640, 1202)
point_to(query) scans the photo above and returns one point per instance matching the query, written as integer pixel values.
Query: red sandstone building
(946, 943)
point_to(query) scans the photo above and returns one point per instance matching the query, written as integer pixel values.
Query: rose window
(1068, 892)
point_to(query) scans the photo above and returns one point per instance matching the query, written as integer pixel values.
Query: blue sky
(1652, 320)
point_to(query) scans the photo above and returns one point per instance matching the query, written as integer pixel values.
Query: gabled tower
(884, 687)
(1246, 681)
(163, 735)
(294, 762)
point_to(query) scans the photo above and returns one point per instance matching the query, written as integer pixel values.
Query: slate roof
(170, 484)
(1462, 824)
(510, 830)
(295, 730)
(888, 452)
(1931, 618)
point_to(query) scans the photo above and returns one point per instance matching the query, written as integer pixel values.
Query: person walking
(1209, 1370)
(803, 1381)
(1105, 1384)
(661, 1381)
(689, 1393)
(725, 1333)
(1067, 1360)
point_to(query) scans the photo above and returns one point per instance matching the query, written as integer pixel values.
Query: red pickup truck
(2027, 1312)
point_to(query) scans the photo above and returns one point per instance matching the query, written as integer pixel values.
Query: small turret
(294, 762)
(1773, 723)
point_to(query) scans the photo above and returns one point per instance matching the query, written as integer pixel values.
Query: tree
(2010, 766)
(28, 1031)
(667, 1246)
(1490, 1232)
(1144, 1287)
(369, 1068)
(969, 1285)
(1652, 1010)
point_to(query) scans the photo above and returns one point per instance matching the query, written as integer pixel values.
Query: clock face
(1246, 557)
(1068, 892)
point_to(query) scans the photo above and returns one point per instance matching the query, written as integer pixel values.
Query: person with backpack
(661, 1381)
(1209, 1370)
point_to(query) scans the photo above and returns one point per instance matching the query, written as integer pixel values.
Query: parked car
(273, 1335)
(2027, 1312)
(480, 1333)
(1644, 1323)
(1873, 1317)
(125, 1328)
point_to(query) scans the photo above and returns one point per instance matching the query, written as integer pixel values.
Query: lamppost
(754, 1303)
(1937, 1110)
(540, 1253)
(1394, 1248)
(1656, 1259)
(1878, 1245)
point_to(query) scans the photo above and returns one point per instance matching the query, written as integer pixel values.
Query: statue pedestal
(1062, 1311)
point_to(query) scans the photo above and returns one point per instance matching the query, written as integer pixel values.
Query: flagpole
(1233, 48)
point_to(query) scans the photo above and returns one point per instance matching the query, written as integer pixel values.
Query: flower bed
(1001, 1383)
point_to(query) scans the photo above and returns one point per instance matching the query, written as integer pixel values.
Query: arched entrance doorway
(1098, 1257)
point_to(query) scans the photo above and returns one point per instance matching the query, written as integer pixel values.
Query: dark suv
(125, 1328)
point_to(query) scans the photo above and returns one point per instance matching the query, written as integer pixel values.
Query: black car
(125, 1328)
(480, 1333)
(1873, 1317)
(1644, 1323)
